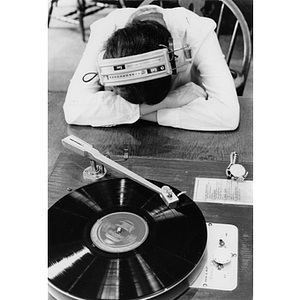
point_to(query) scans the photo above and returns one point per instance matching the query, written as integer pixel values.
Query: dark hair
(136, 38)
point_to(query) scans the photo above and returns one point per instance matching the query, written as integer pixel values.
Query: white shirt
(207, 79)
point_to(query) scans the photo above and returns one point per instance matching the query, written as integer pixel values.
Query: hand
(183, 95)
(177, 98)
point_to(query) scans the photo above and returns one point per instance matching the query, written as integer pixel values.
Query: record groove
(116, 239)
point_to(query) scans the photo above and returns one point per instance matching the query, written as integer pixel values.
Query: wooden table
(151, 140)
(172, 156)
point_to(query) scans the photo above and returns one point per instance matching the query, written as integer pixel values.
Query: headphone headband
(135, 68)
(141, 67)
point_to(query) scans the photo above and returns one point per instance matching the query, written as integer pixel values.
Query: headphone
(141, 67)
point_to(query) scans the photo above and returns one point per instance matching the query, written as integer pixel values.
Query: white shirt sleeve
(216, 106)
(85, 104)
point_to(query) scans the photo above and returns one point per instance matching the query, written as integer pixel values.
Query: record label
(119, 232)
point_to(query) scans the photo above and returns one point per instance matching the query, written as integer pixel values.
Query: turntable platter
(116, 239)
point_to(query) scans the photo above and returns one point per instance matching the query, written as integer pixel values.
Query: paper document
(224, 191)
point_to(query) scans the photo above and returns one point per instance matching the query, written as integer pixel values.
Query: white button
(222, 256)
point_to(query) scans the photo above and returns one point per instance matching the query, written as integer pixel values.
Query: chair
(228, 7)
(83, 9)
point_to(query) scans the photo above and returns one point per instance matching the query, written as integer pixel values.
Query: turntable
(126, 237)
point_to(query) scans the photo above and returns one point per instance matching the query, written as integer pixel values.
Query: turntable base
(67, 175)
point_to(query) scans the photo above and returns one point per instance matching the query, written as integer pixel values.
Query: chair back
(227, 10)
(239, 73)
(241, 23)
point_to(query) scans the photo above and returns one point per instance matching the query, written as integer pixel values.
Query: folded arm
(176, 99)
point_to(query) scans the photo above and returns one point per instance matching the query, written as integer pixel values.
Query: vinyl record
(116, 239)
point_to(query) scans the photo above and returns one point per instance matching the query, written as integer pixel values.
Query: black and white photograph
(150, 150)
